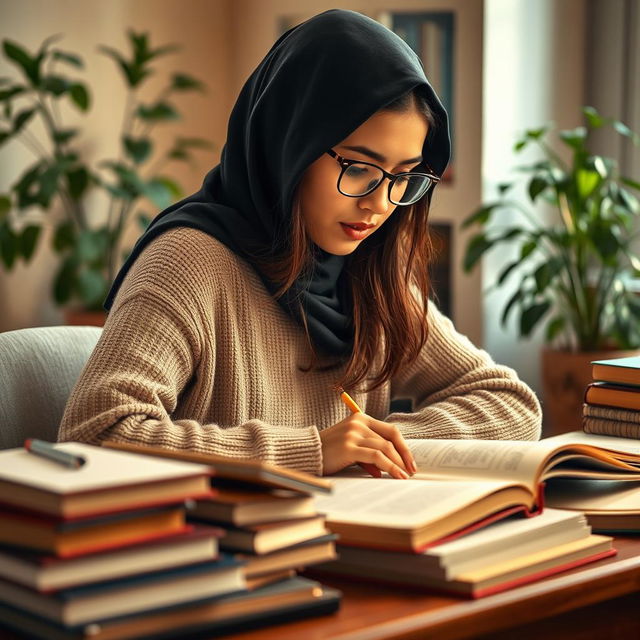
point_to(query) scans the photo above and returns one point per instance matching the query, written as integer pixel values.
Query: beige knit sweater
(196, 354)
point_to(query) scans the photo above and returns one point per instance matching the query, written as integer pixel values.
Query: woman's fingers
(391, 433)
(380, 460)
(375, 441)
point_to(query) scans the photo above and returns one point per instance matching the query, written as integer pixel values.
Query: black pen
(48, 451)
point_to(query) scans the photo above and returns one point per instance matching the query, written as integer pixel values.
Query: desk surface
(599, 600)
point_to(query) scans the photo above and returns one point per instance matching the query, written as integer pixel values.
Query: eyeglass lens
(360, 179)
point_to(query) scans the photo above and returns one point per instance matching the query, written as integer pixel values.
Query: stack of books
(267, 514)
(466, 494)
(105, 550)
(612, 400)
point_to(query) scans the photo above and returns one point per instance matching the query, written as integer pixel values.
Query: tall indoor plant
(56, 186)
(576, 274)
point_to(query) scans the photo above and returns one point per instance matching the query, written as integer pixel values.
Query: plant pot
(565, 376)
(83, 317)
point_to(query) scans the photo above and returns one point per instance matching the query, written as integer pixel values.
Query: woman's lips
(362, 231)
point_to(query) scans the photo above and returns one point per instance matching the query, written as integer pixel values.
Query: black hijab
(319, 82)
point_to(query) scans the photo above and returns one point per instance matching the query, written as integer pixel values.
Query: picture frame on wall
(431, 34)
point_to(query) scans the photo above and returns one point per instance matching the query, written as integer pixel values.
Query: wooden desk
(600, 600)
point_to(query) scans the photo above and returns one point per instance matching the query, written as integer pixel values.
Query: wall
(534, 73)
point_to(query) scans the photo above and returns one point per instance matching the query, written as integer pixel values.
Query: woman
(301, 266)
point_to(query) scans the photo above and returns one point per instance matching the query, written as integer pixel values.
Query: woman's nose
(378, 200)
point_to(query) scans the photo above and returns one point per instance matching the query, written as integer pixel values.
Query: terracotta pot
(83, 317)
(565, 376)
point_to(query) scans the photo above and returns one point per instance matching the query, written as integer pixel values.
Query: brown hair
(388, 281)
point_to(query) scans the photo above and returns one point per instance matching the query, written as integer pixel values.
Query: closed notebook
(51, 573)
(264, 538)
(147, 592)
(613, 395)
(243, 507)
(89, 535)
(34, 483)
(297, 556)
(617, 370)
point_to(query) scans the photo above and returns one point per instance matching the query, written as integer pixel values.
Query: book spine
(611, 413)
(603, 427)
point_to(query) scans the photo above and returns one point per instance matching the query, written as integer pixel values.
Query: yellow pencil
(350, 402)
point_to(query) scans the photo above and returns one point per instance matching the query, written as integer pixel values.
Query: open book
(486, 480)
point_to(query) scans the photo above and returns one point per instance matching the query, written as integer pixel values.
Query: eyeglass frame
(345, 163)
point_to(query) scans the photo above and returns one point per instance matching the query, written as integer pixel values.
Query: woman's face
(393, 141)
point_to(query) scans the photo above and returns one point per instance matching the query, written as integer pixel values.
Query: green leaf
(159, 193)
(22, 119)
(78, 181)
(520, 145)
(56, 85)
(184, 82)
(69, 58)
(5, 206)
(536, 186)
(476, 248)
(504, 187)
(574, 138)
(482, 215)
(594, 119)
(174, 188)
(555, 327)
(628, 201)
(64, 135)
(92, 286)
(516, 297)
(9, 245)
(65, 281)
(92, 245)
(29, 65)
(586, 182)
(527, 249)
(504, 274)
(12, 92)
(64, 236)
(139, 149)
(531, 316)
(80, 96)
(28, 241)
(161, 111)
(536, 134)
(631, 183)
(144, 221)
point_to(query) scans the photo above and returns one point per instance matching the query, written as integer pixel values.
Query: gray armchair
(38, 369)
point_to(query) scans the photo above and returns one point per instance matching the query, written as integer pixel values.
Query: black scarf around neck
(319, 82)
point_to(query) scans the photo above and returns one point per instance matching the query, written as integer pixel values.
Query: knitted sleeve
(459, 392)
(150, 357)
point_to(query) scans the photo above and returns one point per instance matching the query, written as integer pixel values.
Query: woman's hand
(377, 446)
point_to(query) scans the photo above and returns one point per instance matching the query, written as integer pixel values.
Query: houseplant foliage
(573, 275)
(59, 182)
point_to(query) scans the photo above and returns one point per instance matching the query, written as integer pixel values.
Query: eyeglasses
(359, 179)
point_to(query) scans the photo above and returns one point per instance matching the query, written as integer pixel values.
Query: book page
(515, 460)
(593, 495)
(400, 503)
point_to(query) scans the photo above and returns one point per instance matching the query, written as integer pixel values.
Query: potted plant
(577, 274)
(55, 188)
